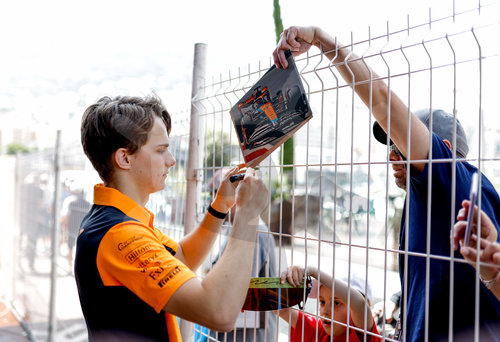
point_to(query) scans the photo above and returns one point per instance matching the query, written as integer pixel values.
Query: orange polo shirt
(126, 270)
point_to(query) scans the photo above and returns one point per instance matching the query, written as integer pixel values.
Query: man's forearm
(196, 245)
(231, 274)
(375, 93)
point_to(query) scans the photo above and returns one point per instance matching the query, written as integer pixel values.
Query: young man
(426, 310)
(132, 279)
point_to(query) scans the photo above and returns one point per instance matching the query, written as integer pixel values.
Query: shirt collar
(114, 198)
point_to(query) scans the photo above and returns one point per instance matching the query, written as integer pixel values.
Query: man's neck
(130, 190)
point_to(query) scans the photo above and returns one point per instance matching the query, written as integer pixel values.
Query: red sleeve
(371, 338)
(309, 328)
(355, 335)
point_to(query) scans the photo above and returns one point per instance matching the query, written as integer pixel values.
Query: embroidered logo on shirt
(143, 264)
(132, 256)
(155, 273)
(169, 276)
(125, 244)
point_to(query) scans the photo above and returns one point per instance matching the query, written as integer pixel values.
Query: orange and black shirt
(126, 271)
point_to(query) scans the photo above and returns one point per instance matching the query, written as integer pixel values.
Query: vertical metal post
(17, 222)
(55, 239)
(199, 66)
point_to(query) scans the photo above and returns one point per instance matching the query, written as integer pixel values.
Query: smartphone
(470, 214)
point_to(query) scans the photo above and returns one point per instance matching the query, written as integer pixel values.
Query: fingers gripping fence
(337, 207)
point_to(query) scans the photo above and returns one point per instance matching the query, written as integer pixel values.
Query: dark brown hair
(124, 121)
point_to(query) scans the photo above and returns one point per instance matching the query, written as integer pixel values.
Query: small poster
(270, 112)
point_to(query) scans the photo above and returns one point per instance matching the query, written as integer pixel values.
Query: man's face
(399, 169)
(153, 160)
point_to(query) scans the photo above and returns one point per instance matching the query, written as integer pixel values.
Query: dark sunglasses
(266, 294)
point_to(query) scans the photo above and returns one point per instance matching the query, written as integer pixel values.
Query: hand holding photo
(267, 294)
(270, 112)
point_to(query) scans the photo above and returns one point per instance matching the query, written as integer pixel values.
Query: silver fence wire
(34, 189)
(335, 207)
(44, 260)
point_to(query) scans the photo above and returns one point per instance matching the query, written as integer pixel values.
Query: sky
(58, 55)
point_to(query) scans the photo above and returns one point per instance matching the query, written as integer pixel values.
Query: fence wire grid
(336, 207)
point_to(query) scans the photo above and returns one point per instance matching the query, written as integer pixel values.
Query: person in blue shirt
(437, 181)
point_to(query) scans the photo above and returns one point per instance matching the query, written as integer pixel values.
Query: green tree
(288, 146)
(278, 23)
(219, 151)
(13, 148)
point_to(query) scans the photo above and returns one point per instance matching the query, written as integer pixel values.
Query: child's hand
(294, 275)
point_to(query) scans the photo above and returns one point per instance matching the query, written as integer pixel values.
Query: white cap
(357, 283)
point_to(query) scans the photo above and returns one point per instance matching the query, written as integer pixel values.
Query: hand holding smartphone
(470, 214)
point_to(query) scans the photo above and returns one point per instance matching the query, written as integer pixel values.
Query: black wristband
(216, 213)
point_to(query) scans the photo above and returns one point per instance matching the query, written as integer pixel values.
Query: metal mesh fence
(335, 207)
(35, 174)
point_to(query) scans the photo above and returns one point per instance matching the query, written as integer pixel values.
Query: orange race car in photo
(265, 117)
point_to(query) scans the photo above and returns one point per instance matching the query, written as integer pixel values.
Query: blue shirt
(442, 219)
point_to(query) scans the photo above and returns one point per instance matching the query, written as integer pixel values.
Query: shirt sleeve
(141, 259)
(309, 328)
(441, 171)
(355, 335)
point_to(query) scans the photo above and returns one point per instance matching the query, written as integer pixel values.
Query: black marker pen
(235, 178)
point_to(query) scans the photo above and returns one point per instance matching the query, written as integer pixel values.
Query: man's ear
(448, 143)
(121, 158)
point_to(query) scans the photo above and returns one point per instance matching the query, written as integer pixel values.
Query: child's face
(325, 310)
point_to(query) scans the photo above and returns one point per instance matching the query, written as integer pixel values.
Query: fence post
(199, 66)
(55, 238)
(192, 170)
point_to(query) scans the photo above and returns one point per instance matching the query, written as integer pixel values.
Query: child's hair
(124, 121)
